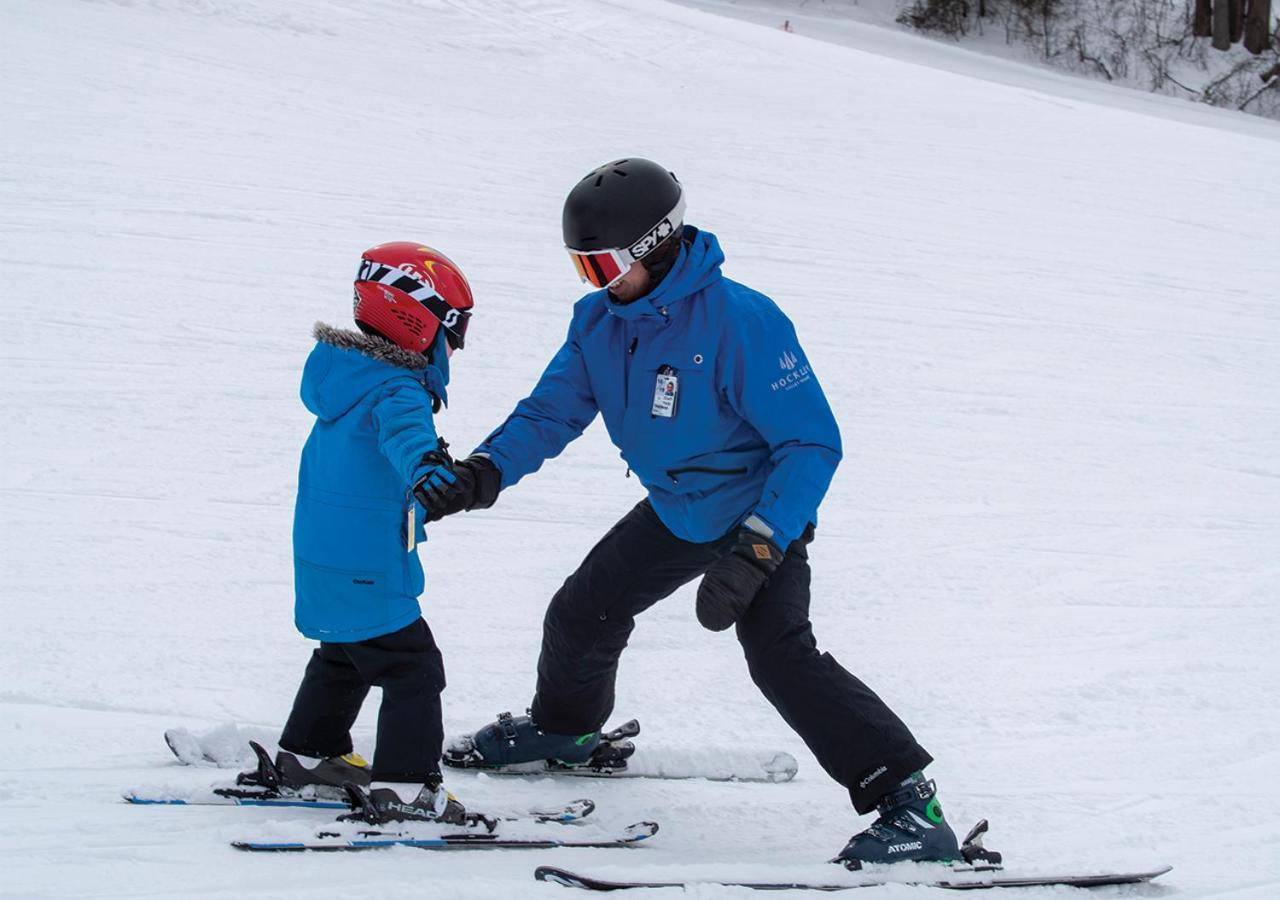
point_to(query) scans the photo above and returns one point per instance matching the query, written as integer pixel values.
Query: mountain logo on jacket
(796, 372)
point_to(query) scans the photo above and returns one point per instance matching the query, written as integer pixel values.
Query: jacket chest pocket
(679, 386)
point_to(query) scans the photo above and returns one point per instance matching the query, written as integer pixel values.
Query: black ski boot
(385, 805)
(910, 828)
(518, 739)
(286, 776)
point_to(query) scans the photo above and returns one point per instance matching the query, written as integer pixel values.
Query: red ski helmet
(406, 292)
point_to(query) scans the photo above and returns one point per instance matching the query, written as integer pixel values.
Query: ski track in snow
(1048, 329)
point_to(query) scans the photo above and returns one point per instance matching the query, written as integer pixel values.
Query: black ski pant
(408, 667)
(857, 739)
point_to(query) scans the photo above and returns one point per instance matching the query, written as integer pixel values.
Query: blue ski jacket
(354, 574)
(750, 430)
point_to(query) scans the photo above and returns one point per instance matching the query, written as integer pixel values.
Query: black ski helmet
(632, 204)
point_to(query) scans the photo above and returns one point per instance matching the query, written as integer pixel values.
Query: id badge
(666, 392)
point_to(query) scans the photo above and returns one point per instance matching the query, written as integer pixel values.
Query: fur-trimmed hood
(370, 345)
(346, 365)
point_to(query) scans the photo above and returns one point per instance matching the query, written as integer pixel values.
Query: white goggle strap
(665, 227)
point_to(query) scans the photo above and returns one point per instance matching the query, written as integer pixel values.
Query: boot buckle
(508, 727)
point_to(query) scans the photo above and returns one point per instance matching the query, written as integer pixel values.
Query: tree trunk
(1222, 25)
(1257, 35)
(1237, 20)
(1202, 22)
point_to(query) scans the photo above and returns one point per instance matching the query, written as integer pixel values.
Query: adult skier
(708, 394)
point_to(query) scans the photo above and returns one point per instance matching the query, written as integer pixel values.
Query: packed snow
(1046, 319)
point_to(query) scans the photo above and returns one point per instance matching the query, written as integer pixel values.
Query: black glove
(438, 482)
(732, 583)
(478, 483)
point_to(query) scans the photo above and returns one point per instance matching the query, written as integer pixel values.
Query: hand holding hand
(437, 484)
(478, 483)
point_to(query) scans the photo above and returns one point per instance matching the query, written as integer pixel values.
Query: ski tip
(286, 846)
(138, 800)
(640, 831)
(557, 876)
(780, 767)
(256, 846)
(184, 746)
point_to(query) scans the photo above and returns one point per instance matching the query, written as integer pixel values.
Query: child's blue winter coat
(354, 577)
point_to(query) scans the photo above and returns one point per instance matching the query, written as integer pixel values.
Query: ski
(368, 838)
(956, 879)
(213, 797)
(573, 811)
(228, 746)
(618, 757)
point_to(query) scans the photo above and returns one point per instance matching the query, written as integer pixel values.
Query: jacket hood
(696, 267)
(345, 366)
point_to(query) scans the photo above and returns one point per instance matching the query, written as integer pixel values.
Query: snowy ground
(986, 54)
(872, 26)
(1051, 339)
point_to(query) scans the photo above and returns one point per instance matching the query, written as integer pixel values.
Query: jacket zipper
(626, 383)
(672, 473)
(626, 374)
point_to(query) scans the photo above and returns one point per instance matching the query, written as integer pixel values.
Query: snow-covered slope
(871, 26)
(1048, 329)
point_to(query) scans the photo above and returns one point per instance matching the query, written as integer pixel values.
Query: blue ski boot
(910, 828)
(513, 740)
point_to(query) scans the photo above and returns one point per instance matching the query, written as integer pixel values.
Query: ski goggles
(602, 268)
(453, 320)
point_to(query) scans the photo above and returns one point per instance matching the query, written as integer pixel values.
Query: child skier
(373, 457)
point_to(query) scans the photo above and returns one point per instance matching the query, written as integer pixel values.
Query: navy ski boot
(517, 739)
(910, 828)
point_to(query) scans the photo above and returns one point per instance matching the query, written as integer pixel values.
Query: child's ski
(370, 838)
(215, 797)
(231, 796)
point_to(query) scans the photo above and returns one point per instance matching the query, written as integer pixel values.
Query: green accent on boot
(934, 811)
(578, 742)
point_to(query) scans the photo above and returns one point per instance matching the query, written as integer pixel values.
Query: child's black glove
(438, 482)
(732, 583)
(478, 484)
